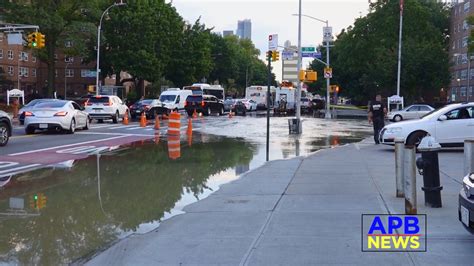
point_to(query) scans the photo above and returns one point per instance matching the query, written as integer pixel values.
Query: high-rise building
(290, 64)
(462, 82)
(227, 33)
(244, 29)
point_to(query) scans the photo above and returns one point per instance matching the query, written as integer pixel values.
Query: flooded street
(58, 214)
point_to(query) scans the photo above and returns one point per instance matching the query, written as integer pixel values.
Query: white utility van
(259, 95)
(174, 98)
(206, 89)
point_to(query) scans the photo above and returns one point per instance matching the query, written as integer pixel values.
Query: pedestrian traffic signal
(41, 40)
(32, 40)
(275, 56)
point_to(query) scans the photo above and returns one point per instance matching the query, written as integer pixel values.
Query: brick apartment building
(19, 62)
(462, 82)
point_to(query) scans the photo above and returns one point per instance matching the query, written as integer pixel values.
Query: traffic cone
(157, 122)
(143, 120)
(194, 114)
(125, 119)
(190, 127)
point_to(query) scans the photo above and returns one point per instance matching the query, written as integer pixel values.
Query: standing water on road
(58, 214)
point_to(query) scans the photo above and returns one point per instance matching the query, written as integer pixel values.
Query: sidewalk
(302, 211)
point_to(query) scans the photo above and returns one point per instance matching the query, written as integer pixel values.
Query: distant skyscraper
(228, 33)
(244, 29)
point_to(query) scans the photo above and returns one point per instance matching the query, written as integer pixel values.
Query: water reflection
(107, 196)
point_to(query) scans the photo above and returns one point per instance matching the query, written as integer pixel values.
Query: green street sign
(308, 49)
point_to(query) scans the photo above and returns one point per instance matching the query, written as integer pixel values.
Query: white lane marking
(101, 126)
(19, 168)
(67, 145)
(114, 134)
(117, 127)
(7, 164)
(133, 128)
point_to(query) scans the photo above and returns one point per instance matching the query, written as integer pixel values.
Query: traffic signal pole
(299, 128)
(269, 59)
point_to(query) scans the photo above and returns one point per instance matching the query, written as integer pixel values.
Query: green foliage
(59, 20)
(364, 58)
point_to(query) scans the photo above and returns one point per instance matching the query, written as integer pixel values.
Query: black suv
(205, 104)
(5, 128)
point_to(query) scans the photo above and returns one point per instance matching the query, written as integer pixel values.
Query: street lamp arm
(311, 17)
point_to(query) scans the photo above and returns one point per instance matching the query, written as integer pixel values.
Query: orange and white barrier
(174, 123)
(174, 147)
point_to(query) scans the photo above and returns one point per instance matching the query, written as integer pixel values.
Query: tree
(58, 21)
(364, 57)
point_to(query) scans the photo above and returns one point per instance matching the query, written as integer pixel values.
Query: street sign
(273, 42)
(327, 72)
(313, 55)
(288, 55)
(308, 49)
(327, 34)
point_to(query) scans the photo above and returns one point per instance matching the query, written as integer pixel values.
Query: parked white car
(450, 126)
(250, 104)
(415, 111)
(56, 115)
(106, 107)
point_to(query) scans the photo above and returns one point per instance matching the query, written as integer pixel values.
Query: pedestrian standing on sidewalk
(377, 113)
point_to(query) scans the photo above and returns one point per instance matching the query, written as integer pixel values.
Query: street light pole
(65, 80)
(328, 80)
(98, 44)
(468, 75)
(298, 69)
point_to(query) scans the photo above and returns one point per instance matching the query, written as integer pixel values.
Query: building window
(56, 73)
(55, 57)
(24, 56)
(1, 53)
(68, 59)
(465, 26)
(10, 71)
(68, 44)
(467, 5)
(23, 72)
(33, 59)
(69, 73)
(10, 54)
(1, 37)
(464, 41)
(470, 91)
(463, 91)
(33, 72)
(463, 74)
(464, 58)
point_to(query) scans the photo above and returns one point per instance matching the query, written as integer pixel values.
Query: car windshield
(435, 112)
(167, 98)
(145, 102)
(37, 101)
(194, 98)
(51, 104)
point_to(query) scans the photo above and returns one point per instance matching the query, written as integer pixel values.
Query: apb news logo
(393, 233)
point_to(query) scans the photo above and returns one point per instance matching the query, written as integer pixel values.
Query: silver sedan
(56, 115)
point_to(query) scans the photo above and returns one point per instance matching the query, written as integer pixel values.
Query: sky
(274, 17)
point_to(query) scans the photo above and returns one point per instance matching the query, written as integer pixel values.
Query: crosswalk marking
(17, 169)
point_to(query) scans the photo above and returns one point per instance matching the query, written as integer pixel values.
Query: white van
(174, 98)
(259, 95)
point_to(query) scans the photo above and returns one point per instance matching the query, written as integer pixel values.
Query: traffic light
(275, 56)
(269, 55)
(337, 89)
(38, 201)
(41, 40)
(302, 75)
(311, 75)
(32, 40)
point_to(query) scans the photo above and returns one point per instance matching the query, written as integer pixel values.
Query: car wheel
(221, 112)
(415, 138)
(4, 136)
(29, 131)
(397, 118)
(116, 117)
(87, 124)
(72, 127)
(209, 111)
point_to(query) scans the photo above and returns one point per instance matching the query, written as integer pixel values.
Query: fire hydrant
(428, 167)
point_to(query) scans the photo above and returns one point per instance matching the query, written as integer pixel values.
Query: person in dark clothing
(377, 113)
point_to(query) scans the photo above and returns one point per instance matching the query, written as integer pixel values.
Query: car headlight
(393, 130)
